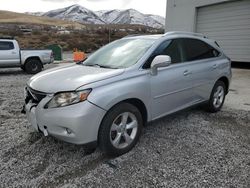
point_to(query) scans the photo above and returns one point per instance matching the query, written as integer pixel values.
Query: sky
(157, 7)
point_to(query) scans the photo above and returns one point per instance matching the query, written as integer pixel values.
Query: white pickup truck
(31, 61)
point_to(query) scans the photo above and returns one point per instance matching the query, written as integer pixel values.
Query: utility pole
(109, 34)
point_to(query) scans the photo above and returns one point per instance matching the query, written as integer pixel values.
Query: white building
(227, 21)
(63, 32)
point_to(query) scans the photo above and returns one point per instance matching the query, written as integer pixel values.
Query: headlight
(68, 98)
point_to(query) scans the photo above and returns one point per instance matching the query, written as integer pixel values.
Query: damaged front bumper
(78, 123)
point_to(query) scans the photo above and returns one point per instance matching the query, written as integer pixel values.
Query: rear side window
(197, 50)
(6, 45)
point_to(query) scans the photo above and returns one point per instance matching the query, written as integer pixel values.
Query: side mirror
(160, 61)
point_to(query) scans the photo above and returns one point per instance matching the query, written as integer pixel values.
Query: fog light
(68, 131)
(45, 131)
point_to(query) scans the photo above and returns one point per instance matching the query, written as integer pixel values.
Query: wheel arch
(225, 80)
(138, 104)
(33, 57)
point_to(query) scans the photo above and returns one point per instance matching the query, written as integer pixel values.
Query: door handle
(215, 66)
(13, 52)
(186, 73)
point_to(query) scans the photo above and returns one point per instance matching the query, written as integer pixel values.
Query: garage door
(229, 24)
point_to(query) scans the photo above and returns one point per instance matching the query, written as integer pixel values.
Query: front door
(171, 88)
(9, 56)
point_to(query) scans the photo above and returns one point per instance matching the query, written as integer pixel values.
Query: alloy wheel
(123, 130)
(34, 66)
(218, 97)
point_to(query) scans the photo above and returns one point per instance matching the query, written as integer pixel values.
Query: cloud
(58, 1)
(123, 2)
(96, 0)
(73, 0)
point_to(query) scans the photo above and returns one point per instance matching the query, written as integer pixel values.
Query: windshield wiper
(100, 66)
(81, 62)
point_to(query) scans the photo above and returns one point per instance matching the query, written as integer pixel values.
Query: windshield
(120, 54)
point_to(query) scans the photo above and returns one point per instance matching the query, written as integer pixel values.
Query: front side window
(168, 47)
(6, 45)
(196, 50)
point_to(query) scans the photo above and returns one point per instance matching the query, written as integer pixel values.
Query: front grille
(35, 96)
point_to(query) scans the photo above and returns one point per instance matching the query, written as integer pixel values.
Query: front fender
(133, 88)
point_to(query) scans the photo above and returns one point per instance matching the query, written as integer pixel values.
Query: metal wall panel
(229, 24)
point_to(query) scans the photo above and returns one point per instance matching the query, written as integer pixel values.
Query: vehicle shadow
(241, 65)
(179, 114)
(15, 71)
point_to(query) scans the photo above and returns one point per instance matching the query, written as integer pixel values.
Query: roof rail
(185, 33)
(7, 37)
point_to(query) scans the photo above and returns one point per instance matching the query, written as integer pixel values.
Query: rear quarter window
(197, 50)
(6, 45)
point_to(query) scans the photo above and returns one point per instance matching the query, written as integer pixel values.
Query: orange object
(79, 56)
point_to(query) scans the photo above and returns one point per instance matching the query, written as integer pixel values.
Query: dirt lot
(189, 149)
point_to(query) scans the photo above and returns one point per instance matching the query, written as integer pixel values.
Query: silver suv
(107, 98)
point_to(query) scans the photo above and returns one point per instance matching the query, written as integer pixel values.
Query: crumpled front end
(78, 123)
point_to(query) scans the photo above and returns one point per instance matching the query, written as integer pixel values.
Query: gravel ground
(188, 149)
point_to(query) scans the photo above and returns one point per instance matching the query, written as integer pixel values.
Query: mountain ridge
(83, 15)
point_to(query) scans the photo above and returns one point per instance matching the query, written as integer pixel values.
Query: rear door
(9, 56)
(171, 88)
(203, 61)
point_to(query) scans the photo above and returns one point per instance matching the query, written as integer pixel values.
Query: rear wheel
(217, 97)
(120, 129)
(22, 67)
(33, 66)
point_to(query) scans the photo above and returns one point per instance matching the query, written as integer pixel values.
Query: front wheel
(217, 97)
(120, 129)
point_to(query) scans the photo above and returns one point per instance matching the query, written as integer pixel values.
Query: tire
(125, 134)
(22, 67)
(33, 66)
(217, 97)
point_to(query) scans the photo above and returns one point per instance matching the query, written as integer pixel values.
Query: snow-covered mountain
(108, 16)
(132, 16)
(80, 14)
(75, 13)
(159, 19)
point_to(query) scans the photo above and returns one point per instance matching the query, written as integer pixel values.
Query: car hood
(69, 78)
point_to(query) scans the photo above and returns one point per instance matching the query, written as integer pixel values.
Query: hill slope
(13, 17)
